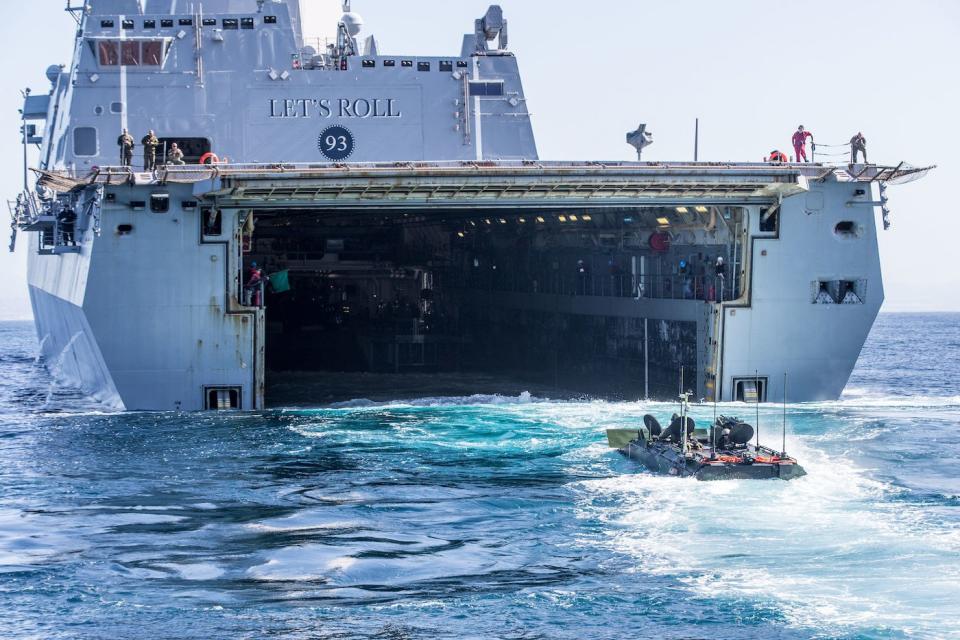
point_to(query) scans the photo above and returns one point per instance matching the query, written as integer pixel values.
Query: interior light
(682, 209)
(503, 221)
(628, 219)
(663, 221)
(487, 220)
(472, 223)
(522, 220)
(587, 218)
(461, 234)
(573, 217)
(702, 209)
(540, 219)
(562, 218)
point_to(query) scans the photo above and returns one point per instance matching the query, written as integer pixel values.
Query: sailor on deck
(800, 143)
(858, 145)
(150, 144)
(175, 155)
(125, 142)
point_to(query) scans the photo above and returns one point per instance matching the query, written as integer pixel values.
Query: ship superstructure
(403, 201)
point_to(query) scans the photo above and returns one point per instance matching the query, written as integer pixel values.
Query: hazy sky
(751, 70)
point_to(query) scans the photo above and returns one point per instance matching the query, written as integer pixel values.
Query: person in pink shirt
(800, 143)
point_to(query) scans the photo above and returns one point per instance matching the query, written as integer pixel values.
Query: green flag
(280, 281)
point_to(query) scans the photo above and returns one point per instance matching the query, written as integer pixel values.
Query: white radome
(353, 22)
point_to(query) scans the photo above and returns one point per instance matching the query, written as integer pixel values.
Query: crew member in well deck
(150, 144)
(720, 269)
(800, 143)
(256, 280)
(125, 142)
(858, 145)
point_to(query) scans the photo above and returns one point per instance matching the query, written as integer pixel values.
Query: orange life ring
(209, 155)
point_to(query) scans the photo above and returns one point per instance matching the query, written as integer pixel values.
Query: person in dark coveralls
(858, 145)
(256, 279)
(67, 221)
(150, 144)
(125, 142)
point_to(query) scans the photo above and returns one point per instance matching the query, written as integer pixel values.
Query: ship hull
(153, 314)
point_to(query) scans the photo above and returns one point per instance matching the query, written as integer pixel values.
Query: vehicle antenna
(756, 379)
(683, 418)
(713, 427)
(783, 451)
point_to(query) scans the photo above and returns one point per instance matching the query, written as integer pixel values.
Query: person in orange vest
(777, 156)
(800, 143)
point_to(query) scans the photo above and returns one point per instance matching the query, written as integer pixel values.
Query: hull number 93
(336, 143)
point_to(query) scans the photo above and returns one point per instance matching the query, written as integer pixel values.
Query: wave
(476, 400)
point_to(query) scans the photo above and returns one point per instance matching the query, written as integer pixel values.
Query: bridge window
(166, 24)
(127, 24)
(106, 24)
(230, 23)
(186, 22)
(152, 53)
(130, 53)
(486, 88)
(269, 19)
(149, 24)
(246, 23)
(108, 52)
(85, 141)
(209, 22)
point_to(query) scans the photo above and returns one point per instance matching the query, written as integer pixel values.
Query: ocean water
(479, 516)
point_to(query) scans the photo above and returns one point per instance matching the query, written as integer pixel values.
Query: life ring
(209, 155)
(659, 242)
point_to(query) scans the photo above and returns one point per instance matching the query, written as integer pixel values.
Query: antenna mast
(756, 379)
(783, 451)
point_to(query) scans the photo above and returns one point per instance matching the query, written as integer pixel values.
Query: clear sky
(751, 70)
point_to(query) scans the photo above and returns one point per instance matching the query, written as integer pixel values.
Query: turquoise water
(480, 516)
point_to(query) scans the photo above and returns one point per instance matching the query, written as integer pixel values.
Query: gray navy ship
(399, 204)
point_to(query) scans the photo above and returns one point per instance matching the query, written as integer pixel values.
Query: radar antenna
(490, 27)
(640, 139)
(349, 27)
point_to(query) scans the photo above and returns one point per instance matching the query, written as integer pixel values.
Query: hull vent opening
(222, 398)
(750, 390)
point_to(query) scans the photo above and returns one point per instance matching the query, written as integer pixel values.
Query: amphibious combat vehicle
(722, 452)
